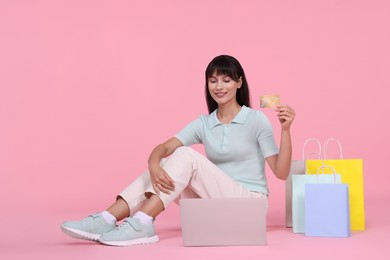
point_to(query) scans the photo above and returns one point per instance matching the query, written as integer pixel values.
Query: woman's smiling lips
(220, 94)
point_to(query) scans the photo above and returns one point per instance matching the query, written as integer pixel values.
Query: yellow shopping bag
(351, 171)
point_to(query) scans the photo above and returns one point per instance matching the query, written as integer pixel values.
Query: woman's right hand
(161, 181)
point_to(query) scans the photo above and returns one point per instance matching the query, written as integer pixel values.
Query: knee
(185, 154)
(182, 151)
(180, 154)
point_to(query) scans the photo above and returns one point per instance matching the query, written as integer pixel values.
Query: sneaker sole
(75, 233)
(132, 242)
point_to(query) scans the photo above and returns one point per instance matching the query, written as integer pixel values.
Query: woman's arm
(160, 179)
(280, 163)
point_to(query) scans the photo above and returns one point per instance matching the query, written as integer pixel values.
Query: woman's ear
(240, 82)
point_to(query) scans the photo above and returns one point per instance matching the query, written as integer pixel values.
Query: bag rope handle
(326, 143)
(304, 155)
(329, 167)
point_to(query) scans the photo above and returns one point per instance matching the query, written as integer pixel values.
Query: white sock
(108, 217)
(144, 218)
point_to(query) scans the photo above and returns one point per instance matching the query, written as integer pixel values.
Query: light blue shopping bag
(298, 167)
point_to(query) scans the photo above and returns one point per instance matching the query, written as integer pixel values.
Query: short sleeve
(265, 137)
(191, 133)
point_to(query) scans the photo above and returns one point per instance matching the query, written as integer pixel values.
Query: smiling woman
(228, 70)
(82, 82)
(238, 141)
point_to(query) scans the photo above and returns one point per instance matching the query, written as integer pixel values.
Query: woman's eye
(226, 79)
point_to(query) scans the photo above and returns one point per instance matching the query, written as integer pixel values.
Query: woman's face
(223, 88)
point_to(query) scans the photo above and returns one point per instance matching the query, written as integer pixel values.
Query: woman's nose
(219, 85)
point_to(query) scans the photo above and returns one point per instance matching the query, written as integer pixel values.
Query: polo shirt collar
(240, 118)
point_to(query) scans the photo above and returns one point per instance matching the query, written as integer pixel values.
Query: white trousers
(194, 177)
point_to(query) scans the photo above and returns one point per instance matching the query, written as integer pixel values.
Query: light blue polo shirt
(238, 148)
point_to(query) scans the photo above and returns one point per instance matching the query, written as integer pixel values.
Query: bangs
(222, 67)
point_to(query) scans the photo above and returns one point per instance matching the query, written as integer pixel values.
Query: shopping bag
(297, 167)
(351, 171)
(327, 210)
(298, 195)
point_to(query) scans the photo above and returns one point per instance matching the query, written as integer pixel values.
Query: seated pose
(237, 141)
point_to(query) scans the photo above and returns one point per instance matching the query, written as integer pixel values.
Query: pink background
(88, 88)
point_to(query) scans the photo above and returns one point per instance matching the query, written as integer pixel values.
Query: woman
(237, 140)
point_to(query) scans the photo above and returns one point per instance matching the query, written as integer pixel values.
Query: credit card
(269, 101)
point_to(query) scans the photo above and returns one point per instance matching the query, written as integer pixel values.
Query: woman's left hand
(286, 116)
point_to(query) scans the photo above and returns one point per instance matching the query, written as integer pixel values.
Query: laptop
(223, 221)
